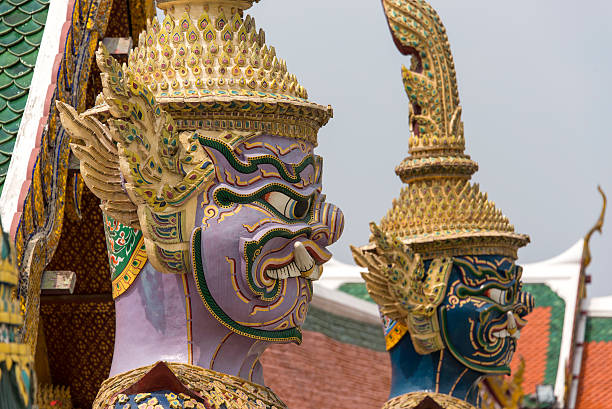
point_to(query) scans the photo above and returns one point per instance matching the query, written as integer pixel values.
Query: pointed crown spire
(208, 66)
(440, 212)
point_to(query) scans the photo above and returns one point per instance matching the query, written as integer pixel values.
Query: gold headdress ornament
(211, 69)
(440, 212)
(204, 68)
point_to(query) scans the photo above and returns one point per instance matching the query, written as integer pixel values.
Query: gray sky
(534, 80)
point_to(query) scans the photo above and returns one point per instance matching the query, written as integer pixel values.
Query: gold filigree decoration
(53, 397)
(440, 212)
(405, 291)
(215, 386)
(422, 399)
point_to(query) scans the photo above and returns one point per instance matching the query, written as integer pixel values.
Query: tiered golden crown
(210, 69)
(440, 212)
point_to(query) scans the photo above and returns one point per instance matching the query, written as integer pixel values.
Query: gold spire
(440, 212)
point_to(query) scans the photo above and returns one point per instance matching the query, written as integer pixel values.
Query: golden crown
(440, 212)
(211, 69)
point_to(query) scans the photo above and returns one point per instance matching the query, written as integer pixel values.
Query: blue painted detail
(468, 316)
(412, 372)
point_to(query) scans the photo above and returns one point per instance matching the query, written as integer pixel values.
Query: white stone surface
(600, 307)
(345, 305)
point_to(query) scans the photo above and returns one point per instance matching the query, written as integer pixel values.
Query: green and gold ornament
(16, 365)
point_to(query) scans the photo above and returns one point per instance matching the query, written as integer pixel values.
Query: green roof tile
(18, 104)
(34, 39)
(5, 136)
(10, 39)
(32, 7)
(6, 148)
(598, 329)
(21, 49)
(12, 92)
(12, 127)
(29, 27)
(17, 71)
(7, 116)
(29, 59)
(25, 80)
(4, 162)
(5, 8)
(18, 2)
(5, 81)
(41, 17)
(16, 18)
(358, 290)
(345, 330)
(21, 29)
(4, 28)
(7, 59)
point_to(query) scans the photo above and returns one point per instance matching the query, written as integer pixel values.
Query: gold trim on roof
(440, 212)
(586, 251)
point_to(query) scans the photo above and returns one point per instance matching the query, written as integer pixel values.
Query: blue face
(483, 312)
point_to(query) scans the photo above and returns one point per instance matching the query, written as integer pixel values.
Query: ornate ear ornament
(145, 172)
(405, 290)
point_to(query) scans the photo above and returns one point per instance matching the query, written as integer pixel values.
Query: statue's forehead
(491, 266)
(287, 149)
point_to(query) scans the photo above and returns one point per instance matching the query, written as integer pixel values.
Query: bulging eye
(288, 207)
(496, 295)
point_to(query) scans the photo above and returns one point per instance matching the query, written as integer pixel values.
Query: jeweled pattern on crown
(435, 208)
(208, 53)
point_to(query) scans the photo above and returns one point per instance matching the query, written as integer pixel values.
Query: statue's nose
(334, 219)
(526, 303)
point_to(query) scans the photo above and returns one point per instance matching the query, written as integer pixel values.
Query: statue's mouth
(510, 328)
(306, 260)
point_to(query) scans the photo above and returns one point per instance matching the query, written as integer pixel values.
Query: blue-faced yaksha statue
(442, 263)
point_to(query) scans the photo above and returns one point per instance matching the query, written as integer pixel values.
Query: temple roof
(21, 29)
(594, 387)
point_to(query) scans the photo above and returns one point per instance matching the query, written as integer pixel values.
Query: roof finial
(586, 252)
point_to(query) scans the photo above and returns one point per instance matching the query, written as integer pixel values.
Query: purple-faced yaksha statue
(201, 151)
